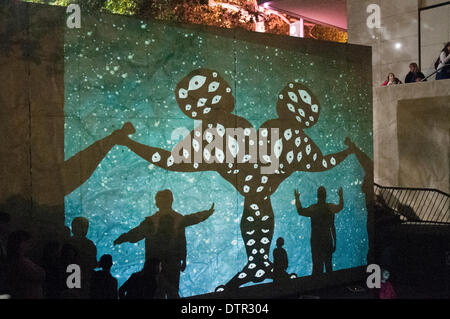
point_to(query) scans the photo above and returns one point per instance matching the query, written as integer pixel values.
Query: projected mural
(215, 119)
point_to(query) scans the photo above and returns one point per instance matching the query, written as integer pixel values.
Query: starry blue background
(120, 69)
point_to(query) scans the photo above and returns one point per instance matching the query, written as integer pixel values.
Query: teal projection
(120, 69)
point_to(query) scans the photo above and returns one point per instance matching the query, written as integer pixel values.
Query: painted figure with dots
(205, 96)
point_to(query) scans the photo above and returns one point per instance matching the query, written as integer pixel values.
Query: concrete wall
(414, 157)
(395, 44)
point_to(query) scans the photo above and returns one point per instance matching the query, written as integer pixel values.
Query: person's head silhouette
(321, 194)
(280, 242)
(164, 200)
(80, 226)
(106, 262)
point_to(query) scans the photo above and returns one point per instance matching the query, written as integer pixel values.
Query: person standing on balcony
(444, 63)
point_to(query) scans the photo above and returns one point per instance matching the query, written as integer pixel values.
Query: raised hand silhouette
(204, 95)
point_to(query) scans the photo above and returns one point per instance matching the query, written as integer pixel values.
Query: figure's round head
(164, 199)
(280, 242)
(203, 93)
(297, 102)
(391, 77)
(80, 226)
(321, 194)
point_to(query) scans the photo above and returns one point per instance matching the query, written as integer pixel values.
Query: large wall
(70, 89)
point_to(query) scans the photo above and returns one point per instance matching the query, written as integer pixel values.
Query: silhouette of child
(386, 290)
(86, 252)
(280, 261)
(103, 284)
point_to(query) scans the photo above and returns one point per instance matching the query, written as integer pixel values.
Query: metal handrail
(422, 205)
(436, 71)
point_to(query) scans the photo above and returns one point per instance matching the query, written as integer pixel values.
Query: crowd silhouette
(164, 234)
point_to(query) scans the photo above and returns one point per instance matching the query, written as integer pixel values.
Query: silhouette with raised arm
(204, 95)
(367, 188)
(323, 231)
(77, 169)
(165, 240)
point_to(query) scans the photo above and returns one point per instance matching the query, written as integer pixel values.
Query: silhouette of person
(165, 239)
(103, 284)
(86, 252)
(4, 232)
(367, 188)
(25, 278)
(142, 284)
(53, 276)
(69, 255)
(323, 231)
(280, 262)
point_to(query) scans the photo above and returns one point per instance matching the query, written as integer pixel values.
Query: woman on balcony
(391, 79)
(444, 63)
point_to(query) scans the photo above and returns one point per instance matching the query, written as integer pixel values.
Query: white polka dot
(170, 161)
(196, 82)
(251, 242)
(288, 134)
(290, 157)
(212, 87)
(182, 93)
(201, 102)
(305, 96)
(216, 99)
(156, 157)
(293, 96)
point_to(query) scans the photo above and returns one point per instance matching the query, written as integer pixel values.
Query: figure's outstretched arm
(337, 208)
(196, 218)
(364, 160)
(314, 161)
(306, 212)
(165, 159)
(77, 169)
(135, 234)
